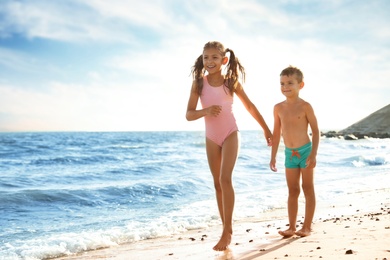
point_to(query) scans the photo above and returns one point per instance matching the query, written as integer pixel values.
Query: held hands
(214, 110)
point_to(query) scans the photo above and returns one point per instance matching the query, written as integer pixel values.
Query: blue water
(63, 193)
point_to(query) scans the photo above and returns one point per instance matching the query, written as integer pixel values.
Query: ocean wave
(363, 161)
(57, 246)
(70, 243)
(69, 160)
(136, 194)
(33, 197)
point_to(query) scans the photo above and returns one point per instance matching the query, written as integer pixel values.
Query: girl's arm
(192, 113)
(252, 109)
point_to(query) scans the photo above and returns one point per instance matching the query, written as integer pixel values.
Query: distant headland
(376, 125)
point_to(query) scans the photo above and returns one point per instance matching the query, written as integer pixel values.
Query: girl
(216, 92)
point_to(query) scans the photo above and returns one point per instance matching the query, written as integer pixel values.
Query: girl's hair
(234, 68)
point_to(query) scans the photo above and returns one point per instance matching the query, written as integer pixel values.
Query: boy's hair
(234, 68)
(290, 70)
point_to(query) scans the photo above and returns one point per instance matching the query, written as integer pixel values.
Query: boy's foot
(287, 233)
(223, 242)
(303, 232)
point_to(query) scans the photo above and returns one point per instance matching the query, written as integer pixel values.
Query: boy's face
(289, 85)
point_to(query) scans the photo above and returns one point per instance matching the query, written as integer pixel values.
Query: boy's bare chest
(292, 115)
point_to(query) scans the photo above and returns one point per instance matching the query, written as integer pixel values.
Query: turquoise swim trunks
(296, 158)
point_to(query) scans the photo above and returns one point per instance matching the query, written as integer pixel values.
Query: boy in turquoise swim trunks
(292, 118)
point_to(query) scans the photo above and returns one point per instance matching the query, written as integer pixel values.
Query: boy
(291, 120)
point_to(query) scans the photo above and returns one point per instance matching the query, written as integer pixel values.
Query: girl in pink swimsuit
(216, 92)
(220, 127)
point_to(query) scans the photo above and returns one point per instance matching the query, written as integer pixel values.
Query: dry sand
(364, 234)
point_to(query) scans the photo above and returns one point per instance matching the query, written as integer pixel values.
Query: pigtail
(234, 71)
(198, 73)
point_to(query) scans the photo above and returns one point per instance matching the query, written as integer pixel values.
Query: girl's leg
(310, 201)
(230, 150)
(292, 178)
(214, 155)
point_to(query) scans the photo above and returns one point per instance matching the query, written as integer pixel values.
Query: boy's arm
(275, 139)
(315, 139)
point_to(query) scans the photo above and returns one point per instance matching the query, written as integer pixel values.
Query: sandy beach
(362, 233)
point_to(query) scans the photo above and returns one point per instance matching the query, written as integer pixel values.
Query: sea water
(67, 192)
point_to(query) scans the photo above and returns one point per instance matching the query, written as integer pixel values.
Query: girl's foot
(223, 242)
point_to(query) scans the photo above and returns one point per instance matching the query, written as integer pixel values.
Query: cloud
(69, 21)
(15, 60)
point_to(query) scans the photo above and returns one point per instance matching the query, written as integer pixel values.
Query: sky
(124, 65)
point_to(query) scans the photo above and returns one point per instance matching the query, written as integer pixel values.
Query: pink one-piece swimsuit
(220, 127)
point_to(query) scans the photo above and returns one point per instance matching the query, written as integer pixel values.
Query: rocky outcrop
(376, 125)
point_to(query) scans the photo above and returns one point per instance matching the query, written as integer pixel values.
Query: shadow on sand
(256, 253)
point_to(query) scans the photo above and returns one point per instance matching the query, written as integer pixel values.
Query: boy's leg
(310, 198)
(229, 156)
(292, 178)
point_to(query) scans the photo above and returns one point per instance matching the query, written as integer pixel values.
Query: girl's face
(213, 60)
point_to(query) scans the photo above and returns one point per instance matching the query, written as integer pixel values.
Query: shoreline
(358, 225)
